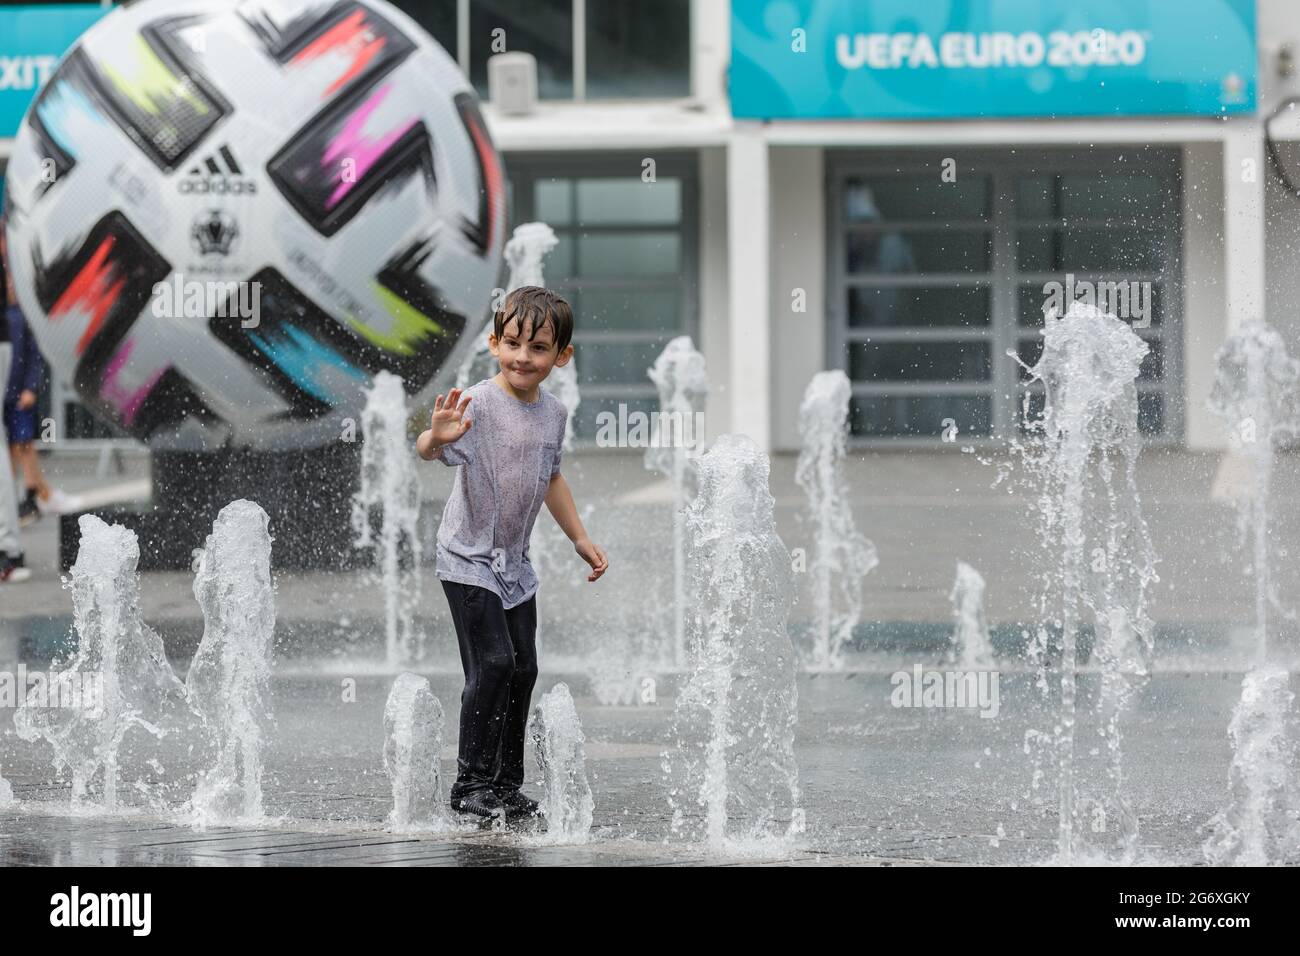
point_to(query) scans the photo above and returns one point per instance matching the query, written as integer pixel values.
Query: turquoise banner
(932, 59)
(32, 41)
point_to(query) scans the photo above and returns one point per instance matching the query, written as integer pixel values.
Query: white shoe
(13, 570)
(60, 503)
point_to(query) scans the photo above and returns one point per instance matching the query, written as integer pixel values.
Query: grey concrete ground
(923, 510)
(880, 784)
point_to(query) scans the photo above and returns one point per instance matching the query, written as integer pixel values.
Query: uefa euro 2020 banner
(931, 59)
(32, 40)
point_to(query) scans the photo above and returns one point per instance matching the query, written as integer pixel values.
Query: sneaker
(484, 803)
(14, 569)
(518, 805)
(59, 503)
(29, 511)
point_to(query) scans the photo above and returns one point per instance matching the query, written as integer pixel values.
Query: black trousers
(498, 653)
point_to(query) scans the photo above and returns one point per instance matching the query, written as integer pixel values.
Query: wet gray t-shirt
(505, 463)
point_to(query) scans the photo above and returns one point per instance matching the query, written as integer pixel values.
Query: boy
(509, 458)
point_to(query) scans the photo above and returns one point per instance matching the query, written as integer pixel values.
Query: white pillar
(750, 328)
(1244, 175)
(711, 40)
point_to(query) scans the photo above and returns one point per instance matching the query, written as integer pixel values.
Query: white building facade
(912, 252)
(1191, 205)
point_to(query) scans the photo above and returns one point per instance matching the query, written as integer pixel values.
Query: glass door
(932, 282)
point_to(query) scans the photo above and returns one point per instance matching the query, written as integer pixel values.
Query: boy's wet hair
(541, 307)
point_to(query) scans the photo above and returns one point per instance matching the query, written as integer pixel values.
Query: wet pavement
(880, 784)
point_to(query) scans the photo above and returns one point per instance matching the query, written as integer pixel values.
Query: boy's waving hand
(448, 421)
(446, 425)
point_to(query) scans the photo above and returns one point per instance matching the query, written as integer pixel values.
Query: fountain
(1257, 393)
(841, 556)
(679, 375)
(1083, 451)
(557, 736)
(390, 491)
(230, 677)
(134, 698)
(735, 716)
(1257, 827)
(971, 648)
(413, 723)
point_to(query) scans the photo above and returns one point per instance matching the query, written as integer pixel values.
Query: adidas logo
(217, 174)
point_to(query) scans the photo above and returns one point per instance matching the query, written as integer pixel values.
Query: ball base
(307, 495)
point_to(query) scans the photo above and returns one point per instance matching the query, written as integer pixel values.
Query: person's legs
(18, 452)
(488, 661)
(20, 423)
(33, 477)
(28, 507)
(9, 542)
(522, 621)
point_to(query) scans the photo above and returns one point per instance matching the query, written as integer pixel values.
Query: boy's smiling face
(526, 362)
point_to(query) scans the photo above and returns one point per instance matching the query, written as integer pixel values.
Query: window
(933, 282)
(1100, 228)
(625, 261)
(438, 17)
(585, 49)
(638, 48)
(917, 284)
(543, 28)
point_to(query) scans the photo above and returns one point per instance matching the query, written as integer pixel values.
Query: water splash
(558, 740)
(842, 557)
(6, 793)
(230, 678)
(732, 777)
(680, 375)
(563, 384)
(1258, 826)
(971, 647)
(1122, 655)
(390, 494)
(525, 252)
(622, 667)
(413, 724)
(615, 683)
(1083, 452)
(135, 699)
(1257, 393)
